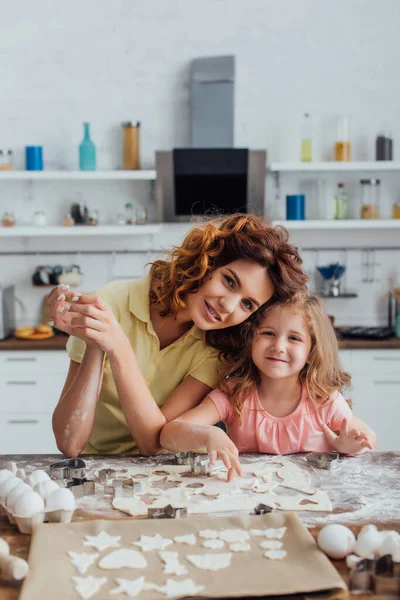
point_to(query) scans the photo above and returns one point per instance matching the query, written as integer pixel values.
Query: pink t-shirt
(298, 432)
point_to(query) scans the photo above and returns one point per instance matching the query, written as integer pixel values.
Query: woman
(146, 351)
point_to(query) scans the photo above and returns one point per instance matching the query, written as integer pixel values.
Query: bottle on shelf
(384, 146)
(396, 210)
(370, 195)
(341, 203)
(342, 149)
(129, 213)
(131, 146)
(306, 139)
(87, 151)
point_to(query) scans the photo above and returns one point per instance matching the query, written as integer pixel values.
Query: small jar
(8, 219)
(396, 210)
(121, 219)
(141, 215)
(68, 220)
(370, 198)
(39, 218)
(93, 218)
(129, 213)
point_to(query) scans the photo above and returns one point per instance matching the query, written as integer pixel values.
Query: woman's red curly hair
(216, 243)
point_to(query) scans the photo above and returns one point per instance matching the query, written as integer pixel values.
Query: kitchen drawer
(26, 434)
(56, 361)
(375, 361)
(30, 393)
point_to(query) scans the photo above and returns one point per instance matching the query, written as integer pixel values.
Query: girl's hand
(91, 319)
(220, 446)
(351, 441)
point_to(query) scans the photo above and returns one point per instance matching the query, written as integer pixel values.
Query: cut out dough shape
(189, 539)
(172, 564)
(208, 534)
(154, 491)
(271, 545)
(130, 587)
(315, 502)
(82, 561)
(124, 557)
(210, 562)
(88, 586)
(272, 533)
(213, 544)
(240, 547)
(177, 497)
(233, 535)
(174, 478)
(131, 506)
(102, 541)
(182, 589)
(275, 554)
(153, 542)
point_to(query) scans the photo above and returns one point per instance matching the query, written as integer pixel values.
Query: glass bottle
(141, 215)
(370, 193)
(39, 218)
(306, 139)
(341, 203)
(68, 220)
(87, 151)
(396, 210)
(131, 150)
(342, 145)
(8, 219)
(129, 216)
(384, 146)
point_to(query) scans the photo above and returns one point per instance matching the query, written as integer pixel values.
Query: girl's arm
(194, 430)
(74, 415)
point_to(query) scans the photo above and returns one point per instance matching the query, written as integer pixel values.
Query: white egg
(5, 474)
(390, 545)
(12, 466)
(352, 560)
(29, 503)
(45, 488)
(337, 541)
(368, 541)
(7, 486)
(15, 492)
(21, 474)
(61, 499)
(36, 477)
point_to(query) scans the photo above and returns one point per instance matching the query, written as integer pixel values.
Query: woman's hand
(351, 441)
(91, 319)
(220, 446)
(57, 302)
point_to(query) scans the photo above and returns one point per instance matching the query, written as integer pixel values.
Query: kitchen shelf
(148, 175)
(312, 167)
(341, 224)
(80, 231)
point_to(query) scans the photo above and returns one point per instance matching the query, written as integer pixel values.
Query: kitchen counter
(55, 343)
(362, 344)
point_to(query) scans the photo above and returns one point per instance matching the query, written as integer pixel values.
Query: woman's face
(229, 295)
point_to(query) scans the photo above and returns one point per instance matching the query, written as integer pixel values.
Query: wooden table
(363, 490)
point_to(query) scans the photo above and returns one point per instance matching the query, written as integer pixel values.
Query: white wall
(63, 63)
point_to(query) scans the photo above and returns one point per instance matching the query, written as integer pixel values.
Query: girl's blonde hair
(321, 375)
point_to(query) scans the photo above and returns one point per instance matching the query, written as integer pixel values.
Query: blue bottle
(87, 151)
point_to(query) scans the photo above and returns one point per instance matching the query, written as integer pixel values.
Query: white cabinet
(30, 386)
(376, 392)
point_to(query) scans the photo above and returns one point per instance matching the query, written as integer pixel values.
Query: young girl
(144, 352)
(281, 395)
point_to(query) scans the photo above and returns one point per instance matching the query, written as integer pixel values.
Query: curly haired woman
(144, 352)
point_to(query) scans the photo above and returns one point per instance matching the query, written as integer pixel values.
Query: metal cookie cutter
(183, 458)
(167, 512)
(81, 487)
(262, 509)
(323, 460)
(202, 466)
(379, 576)
(68, 469)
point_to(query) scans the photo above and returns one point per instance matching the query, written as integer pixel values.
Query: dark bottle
(384, 146)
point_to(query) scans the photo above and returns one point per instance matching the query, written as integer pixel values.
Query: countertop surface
(58, 343)
(363, 490)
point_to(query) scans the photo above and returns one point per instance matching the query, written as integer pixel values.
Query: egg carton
(26, 524)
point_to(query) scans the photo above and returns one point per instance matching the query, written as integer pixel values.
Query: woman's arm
(194, 430)
(73, 417)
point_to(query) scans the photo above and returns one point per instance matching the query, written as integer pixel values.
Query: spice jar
(396, 210)
(370, 194)
(39, 218)
(141, 215)
(68, 220)
(342, 144)
(8, 219)
(129, 213)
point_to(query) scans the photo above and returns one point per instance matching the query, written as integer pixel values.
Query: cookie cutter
(167, 512)
(68, 469)
(262, 509)
(379, 576)
(123, 488)
(202, 466)
(183, 458)
(323, 460)
(82, 487)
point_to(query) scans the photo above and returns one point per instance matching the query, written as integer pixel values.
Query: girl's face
(229, 295)
(282, 345)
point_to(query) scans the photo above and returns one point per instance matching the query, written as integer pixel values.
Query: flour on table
(88, 586)
(82, 561)
(208, 534)
(102, 541)
(263, 487)
(213, 544)
(130, 587)
(272, 533)
(271, 545)
(153, 542)
(124, 557)
(189, 539)
(131, 506)
(233, 535)
(275, 554)
(172, 564)
(210, 562)
(240, 547)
